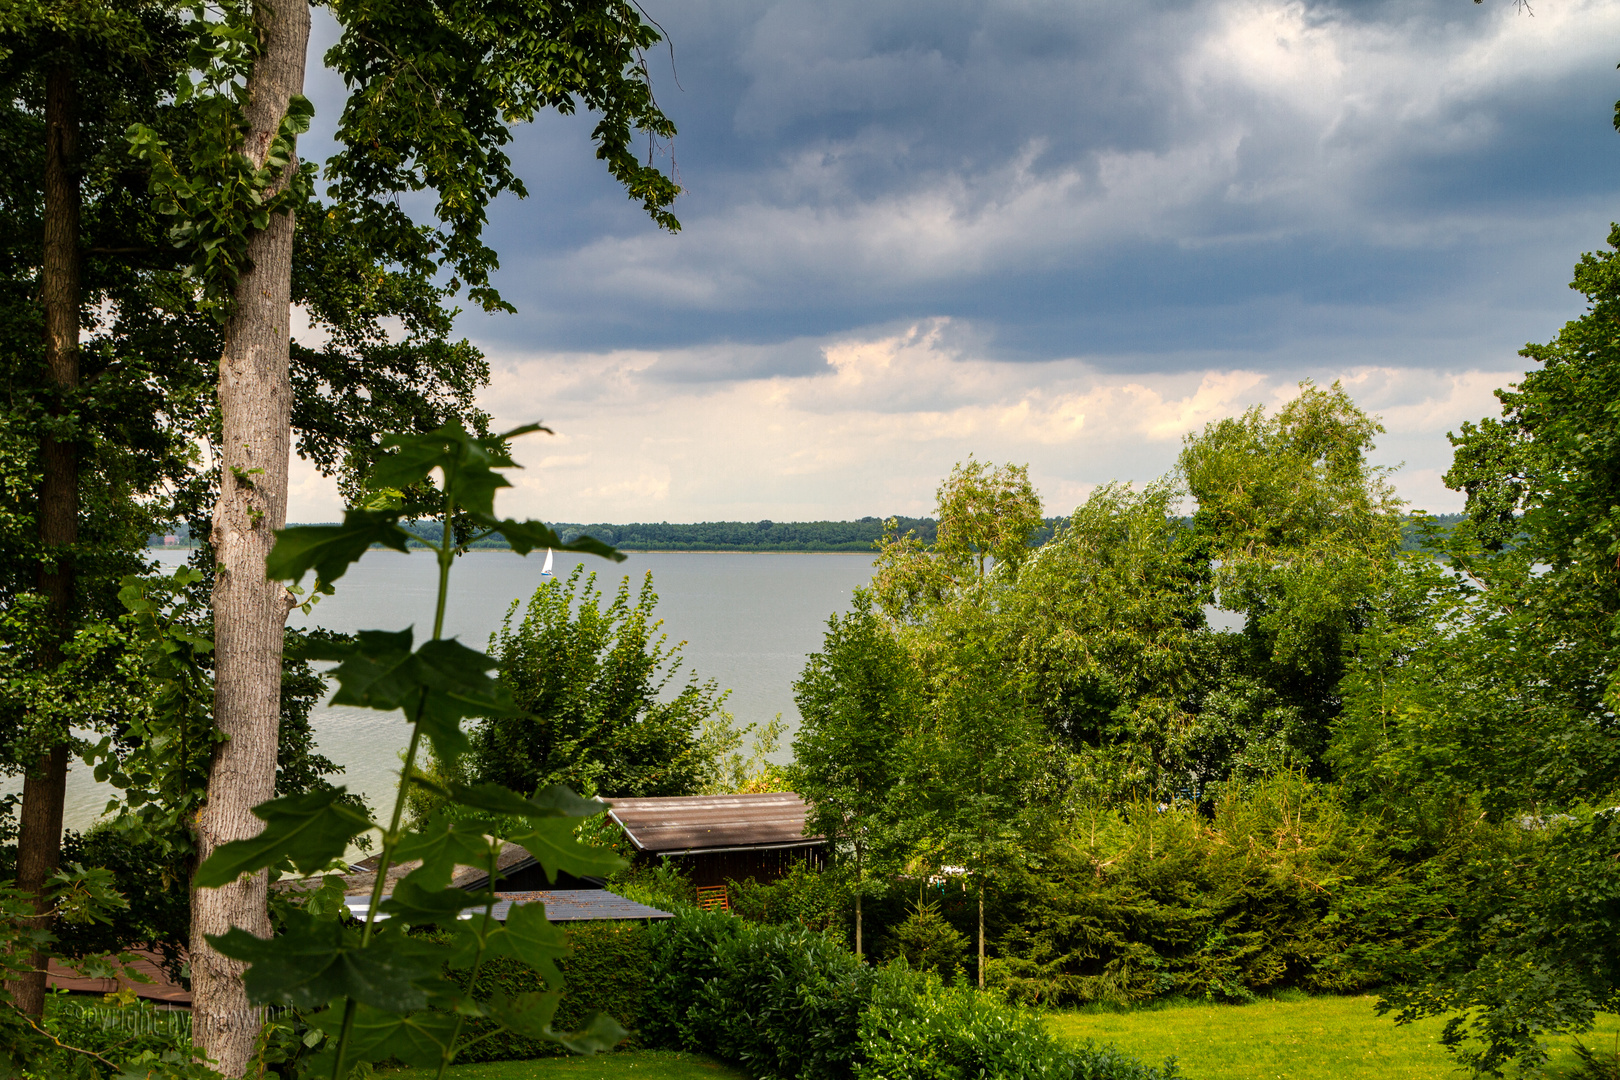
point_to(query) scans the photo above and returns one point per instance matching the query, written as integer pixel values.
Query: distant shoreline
(627, 551)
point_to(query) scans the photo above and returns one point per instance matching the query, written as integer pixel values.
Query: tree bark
(860, 887)
(250, 611)
(981, 933)
(39, 837)
(858, 951)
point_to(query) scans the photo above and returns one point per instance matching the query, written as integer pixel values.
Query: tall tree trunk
(981, 933)
(858, 950)
(860, 887)
(39, 838)
(250, 612)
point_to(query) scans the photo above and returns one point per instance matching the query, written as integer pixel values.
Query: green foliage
(436, 89)
(607, 970)
(1531, 949)
(217, 196)
(1108, 621)
(133, 1036)
(779, 1001)
(855, 536)
(789, 1003)
(64, 1046)
(806, 896)
(598, 701)
(662, 885)
(926, 941)
(1500, 692)
(157, 911)
(859, 697)
(986, 512)
(376, 990)
(1301, 533)
(917, 1029)
(1279, 886)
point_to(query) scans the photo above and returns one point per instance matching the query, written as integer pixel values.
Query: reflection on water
(748, 620)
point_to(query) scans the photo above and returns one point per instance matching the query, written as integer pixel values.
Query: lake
(749, 620)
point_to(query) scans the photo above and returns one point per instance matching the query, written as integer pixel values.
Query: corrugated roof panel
(562, 905)
(709, 822)
(578, 905)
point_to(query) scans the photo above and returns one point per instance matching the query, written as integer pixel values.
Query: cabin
(720, 838)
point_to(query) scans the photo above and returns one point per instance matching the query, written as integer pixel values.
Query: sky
(1057, 233)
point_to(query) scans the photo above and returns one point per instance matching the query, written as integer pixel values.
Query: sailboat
(545, 571)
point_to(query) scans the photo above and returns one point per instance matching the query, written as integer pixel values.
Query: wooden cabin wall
(716, 868)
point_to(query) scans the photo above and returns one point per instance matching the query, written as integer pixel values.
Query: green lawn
(625, 1065)
(1300, 1039)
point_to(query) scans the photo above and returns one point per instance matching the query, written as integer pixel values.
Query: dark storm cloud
(1142, 185)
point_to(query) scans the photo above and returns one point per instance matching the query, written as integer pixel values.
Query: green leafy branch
(217, 196)
(379, 991)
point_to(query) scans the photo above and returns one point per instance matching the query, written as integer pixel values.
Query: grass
(624, 1065)
(1294, 1038)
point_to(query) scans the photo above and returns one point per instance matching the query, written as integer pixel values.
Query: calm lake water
(748, 621)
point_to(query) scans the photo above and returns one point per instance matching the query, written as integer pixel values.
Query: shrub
(805, 896)
(780, 1002)
(785, 1003)
(1276, 886)
(926, 941)
(684, 953)
(608, 971)
(120, 1030)
(916, 1028)
(662, 885)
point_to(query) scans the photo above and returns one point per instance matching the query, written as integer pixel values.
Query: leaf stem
(478, 960)
(390, 840)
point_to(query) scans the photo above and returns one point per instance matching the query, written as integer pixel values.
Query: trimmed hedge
(609, 970)
(779, 1001)
(917, 1028)
(786, 1003)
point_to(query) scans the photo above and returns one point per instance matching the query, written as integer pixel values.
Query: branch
(29, 1020)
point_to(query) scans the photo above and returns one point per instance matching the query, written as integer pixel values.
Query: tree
(437, 87)
(860, 700)
(1108, 621)
(975, 760)
(594, 684)
(62, 62)
(985, 515)
(1302, 534)
(1504, 697)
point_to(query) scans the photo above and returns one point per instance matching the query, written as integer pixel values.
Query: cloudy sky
(1060, 233)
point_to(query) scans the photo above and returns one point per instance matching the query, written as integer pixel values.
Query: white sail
(545, 571)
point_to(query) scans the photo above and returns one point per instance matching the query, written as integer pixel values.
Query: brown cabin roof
(693, 823)
(62, 975)
(359, 882)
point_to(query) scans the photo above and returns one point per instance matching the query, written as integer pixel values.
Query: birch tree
(860, 698)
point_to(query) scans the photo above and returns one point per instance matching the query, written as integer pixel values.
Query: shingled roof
(688, 824)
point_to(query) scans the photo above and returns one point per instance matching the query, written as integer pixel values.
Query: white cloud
(890, 411)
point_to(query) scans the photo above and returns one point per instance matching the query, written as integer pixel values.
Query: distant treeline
(821, 536)
(749, 535)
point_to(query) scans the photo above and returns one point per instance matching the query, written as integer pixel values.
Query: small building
(716, 838)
